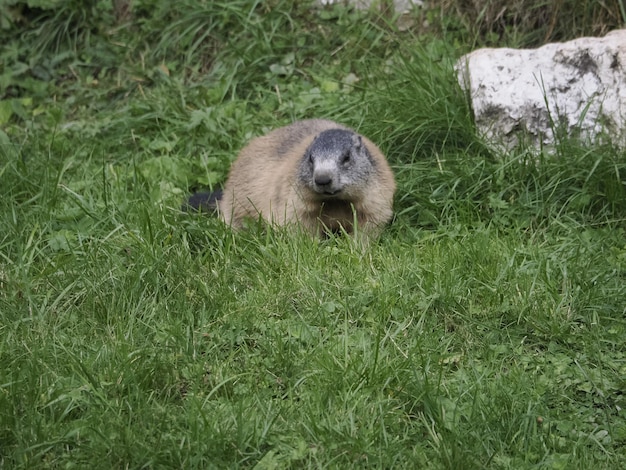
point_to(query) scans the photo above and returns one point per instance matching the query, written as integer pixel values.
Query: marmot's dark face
(336, 165)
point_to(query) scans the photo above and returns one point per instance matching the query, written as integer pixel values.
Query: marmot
(315, 173)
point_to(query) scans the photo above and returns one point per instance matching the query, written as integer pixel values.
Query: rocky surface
(576, 87)
(400, 6)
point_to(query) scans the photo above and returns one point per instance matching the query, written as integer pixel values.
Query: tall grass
(484, 329)
(531, 23)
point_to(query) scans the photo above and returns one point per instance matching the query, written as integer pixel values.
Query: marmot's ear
(356, 141)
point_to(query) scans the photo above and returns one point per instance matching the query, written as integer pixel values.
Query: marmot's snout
(323, 179)
(324, 183)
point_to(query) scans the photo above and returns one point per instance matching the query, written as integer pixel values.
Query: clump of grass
(531, 23)
(420, 109)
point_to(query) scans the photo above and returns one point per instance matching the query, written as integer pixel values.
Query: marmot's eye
(345, 158)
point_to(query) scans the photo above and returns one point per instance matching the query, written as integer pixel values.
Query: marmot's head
(337, 165)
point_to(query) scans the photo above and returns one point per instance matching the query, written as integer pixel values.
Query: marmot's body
(315, 173)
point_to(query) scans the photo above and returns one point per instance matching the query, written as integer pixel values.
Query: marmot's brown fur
(315, 173)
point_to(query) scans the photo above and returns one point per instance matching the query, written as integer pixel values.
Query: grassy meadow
(485, 329)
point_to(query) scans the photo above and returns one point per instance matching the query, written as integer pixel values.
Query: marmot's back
(317, 173)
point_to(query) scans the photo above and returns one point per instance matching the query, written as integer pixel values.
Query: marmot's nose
(323, 180)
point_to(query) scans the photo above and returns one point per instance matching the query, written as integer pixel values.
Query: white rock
(578, 86)
(400, 6)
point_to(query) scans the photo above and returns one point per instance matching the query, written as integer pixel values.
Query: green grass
(484, 330)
